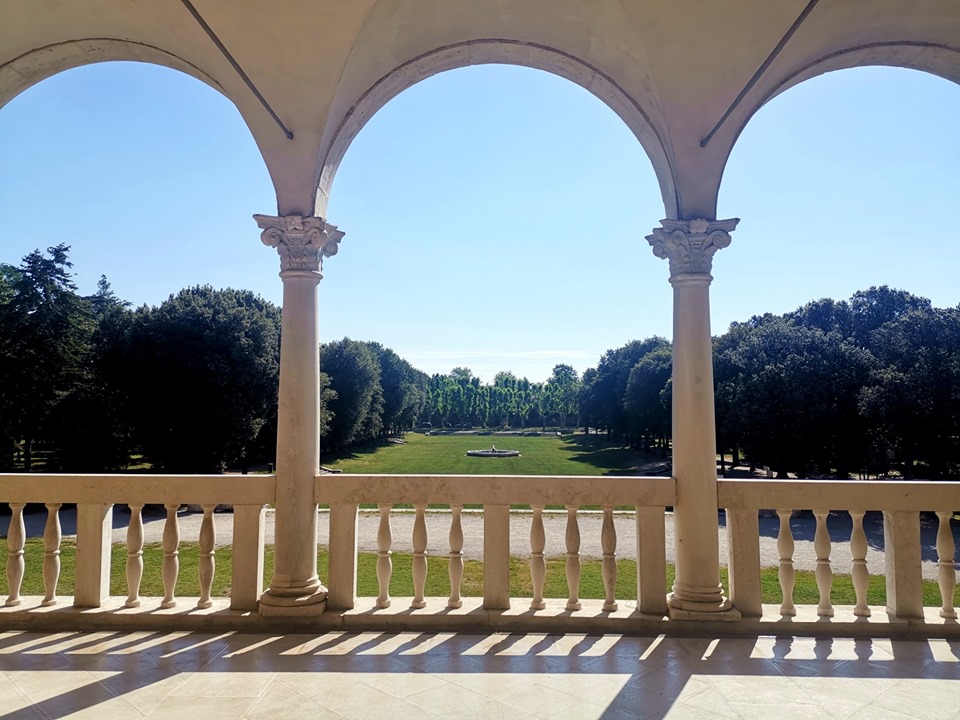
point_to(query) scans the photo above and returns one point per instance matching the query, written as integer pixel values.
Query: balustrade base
(32, 616)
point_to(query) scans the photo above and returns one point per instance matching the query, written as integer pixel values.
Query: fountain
(493, 452)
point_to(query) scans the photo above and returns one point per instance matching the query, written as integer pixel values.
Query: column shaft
(697, 586)
(689, 245)
(298, 439)
(302, 242)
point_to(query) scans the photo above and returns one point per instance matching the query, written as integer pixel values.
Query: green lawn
(539, 455)
(438, 585)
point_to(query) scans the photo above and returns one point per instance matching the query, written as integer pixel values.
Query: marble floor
(371, 675)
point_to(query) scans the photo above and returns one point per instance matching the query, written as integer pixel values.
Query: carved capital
(302, 242)
(690, 245)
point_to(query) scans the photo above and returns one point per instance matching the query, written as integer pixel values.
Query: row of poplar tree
(89, 384)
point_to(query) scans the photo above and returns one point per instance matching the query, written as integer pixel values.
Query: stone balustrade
(901, 503)
(495, 494)
(95, 495)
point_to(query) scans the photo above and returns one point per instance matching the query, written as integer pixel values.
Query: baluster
(455, 564)
(573, 558)
(538, 566)
(171, 555)
(52, 536)
(384, 563)
(419, 565)
(134, 556)
(946, 571)
(608, 543)
(15, 565)
(861, 576)
(207, 565)
(786, 574)
(824, 575)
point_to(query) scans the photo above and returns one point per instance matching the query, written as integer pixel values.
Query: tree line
(89, 384)
(460, 399)
(869, 386)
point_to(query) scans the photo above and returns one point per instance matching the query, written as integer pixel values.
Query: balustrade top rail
(496, 490)
(138, 489)
(908, 496)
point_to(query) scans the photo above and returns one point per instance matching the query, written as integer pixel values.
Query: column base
(688, 604)
(310, 605)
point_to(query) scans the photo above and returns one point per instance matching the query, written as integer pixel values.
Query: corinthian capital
(690, 245)
(302, 242)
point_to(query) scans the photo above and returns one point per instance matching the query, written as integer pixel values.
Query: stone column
(689, 245)
(302, 242)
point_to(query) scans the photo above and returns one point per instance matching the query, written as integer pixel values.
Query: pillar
(689, 245)
(302, 242)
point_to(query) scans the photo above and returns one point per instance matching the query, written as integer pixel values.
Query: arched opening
(843, 184)
(484, 203)
(146, 173)
(633, 111)
(837, 182)
(149, 177)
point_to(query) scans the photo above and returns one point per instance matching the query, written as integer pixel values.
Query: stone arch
(32, 67)
(934, 58)
(337, 139)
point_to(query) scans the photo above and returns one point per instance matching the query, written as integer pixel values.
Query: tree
(608, 389)
(564, 385)
(793, 393)
(357, 409)
(870, 309)
(647, 398)
(204, 377)
(45, 335)
(91, 428)
(913, 401)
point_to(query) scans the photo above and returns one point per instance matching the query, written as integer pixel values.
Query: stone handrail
(496, 489)
(496, 493)
(143, 489)
(900, 502)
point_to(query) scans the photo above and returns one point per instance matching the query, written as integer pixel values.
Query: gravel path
(438, 526)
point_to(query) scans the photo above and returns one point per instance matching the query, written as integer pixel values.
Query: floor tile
(145, 690)
(224, 685)
(539, 700)
(780, 711)
(402, 684)
(454, 702)
(314, 684)
(922, 699)
(353, 699)
(278, 702)
(220, 708)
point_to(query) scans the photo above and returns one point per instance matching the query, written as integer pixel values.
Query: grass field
(438, 584)
(539, 455)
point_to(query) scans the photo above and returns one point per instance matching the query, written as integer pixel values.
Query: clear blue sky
(495, 216)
